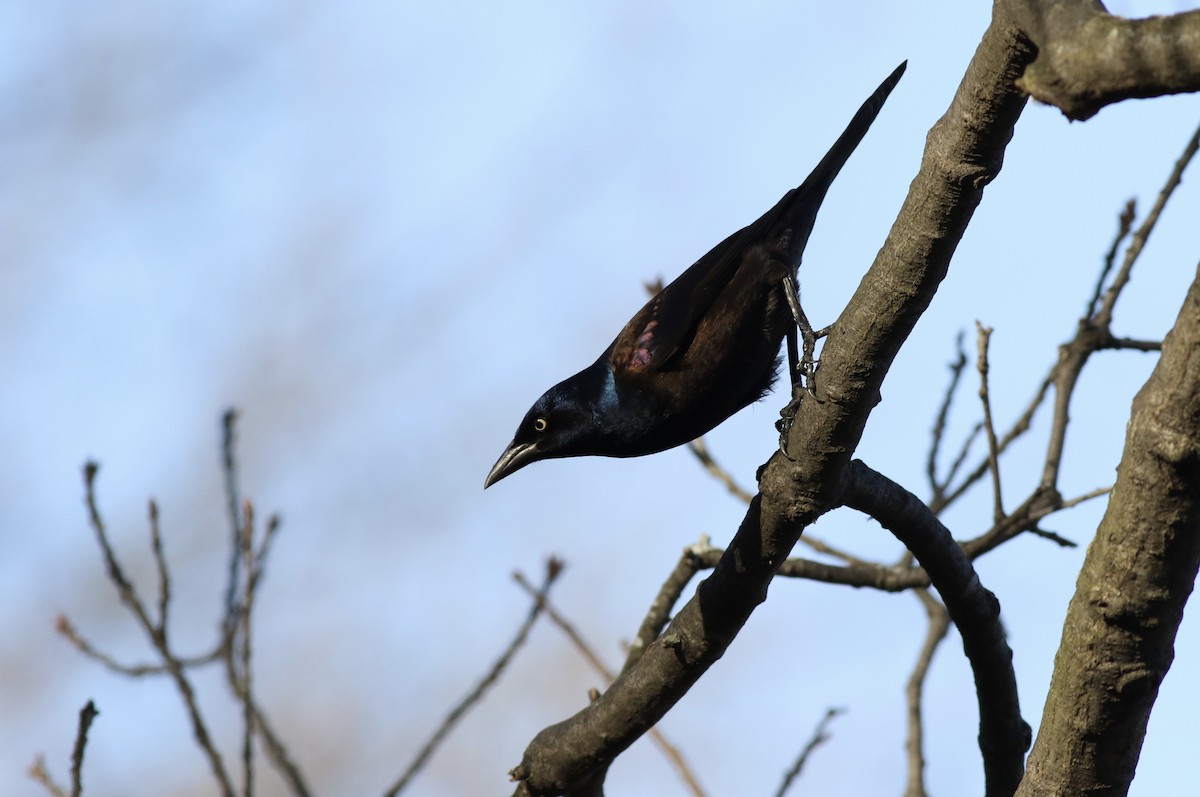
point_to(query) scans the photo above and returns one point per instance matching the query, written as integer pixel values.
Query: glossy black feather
(703, 348)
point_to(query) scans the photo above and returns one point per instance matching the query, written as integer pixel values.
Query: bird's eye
(539, 425)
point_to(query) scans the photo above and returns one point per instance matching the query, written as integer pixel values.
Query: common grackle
(703, 348)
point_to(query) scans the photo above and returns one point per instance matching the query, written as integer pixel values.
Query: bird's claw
(787, 416)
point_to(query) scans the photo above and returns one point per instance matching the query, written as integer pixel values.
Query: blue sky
(381, 230)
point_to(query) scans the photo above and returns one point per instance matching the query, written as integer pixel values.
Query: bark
(1088, 58)
(1118, 638)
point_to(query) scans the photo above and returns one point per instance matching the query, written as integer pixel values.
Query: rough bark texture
(1118, 638)
(1088, 59)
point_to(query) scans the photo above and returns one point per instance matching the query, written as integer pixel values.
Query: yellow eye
(539, 425)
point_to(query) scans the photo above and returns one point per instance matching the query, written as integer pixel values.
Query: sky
(381, 231)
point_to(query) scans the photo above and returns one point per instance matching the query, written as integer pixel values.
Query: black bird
(703, 348)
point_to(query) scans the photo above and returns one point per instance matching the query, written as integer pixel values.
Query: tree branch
(1088, 58)
(1120, 628)
(1003, 735)
(553, 569)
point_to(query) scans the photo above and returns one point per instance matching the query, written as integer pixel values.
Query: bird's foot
(787, 416)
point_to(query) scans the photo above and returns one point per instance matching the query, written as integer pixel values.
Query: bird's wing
(664, 327)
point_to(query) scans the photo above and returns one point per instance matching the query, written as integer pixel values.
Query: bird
(704, 347)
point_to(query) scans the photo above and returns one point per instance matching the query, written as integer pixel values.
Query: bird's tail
(798, 209)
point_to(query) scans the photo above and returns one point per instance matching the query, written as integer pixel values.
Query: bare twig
(41, 774)
(1088, 496)
(939, 424)
(1054, 537)
(564, 625)
(700, 449)
(671, 751)
(1019, 428)
(160, 565)
(63, 626)
(1125, 221)
(245, 676)
(38, 772)
(690, 561)
(235, 645)
(939, 624)
(264, 548)
(87, 716)
(955, 466)
(1095, 331)
(985, 335)
(1093, 334)
(234, 507)
(1103, 317)
(553, 568)
(819, 737)
(1131, 344)
(278, 754)
(158, 636)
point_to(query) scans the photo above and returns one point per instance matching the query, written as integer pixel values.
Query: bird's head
(562, 423)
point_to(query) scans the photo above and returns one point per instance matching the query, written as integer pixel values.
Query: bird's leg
(802, 366)
(788, 414)
(807, 366)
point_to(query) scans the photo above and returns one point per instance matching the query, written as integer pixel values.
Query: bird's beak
(515, 457)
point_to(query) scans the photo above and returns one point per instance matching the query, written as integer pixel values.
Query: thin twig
(1124, 224)
(233, 504)
(1052, 536)
(700, 449)
(567, 627)
(1094, 332)
(160, 565)
(38, 772)
(553, 568)
(41, 774)
(87, 716)
(1019, 427)
(264, 548)
(985, 335)
(1088, 496)
(963, 451)
(1103, 318)
(246, 679)
(1130, 344)
(63, 626)
(671, 751)
(819, 737)
(278, 754)
(158, 637)
(115, 573)
(690, 561)
(939, 624)
(820, 546)
(939, 423)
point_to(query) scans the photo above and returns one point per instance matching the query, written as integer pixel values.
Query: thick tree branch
(1003, 735)
(1088, 58)
(1120, 629)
